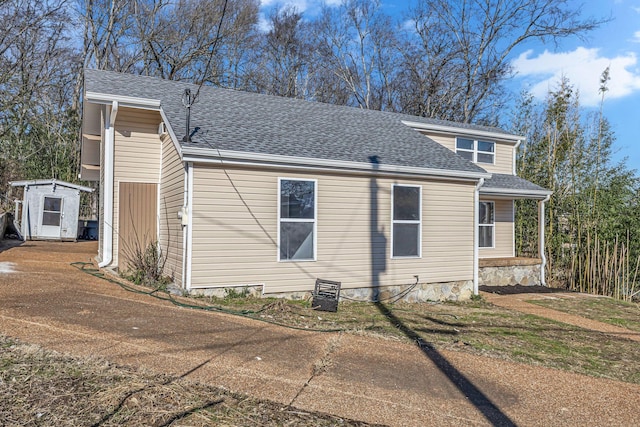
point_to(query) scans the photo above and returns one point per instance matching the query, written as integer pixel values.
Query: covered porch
(498, 263)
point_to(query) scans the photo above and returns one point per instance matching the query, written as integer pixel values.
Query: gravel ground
(47, 302)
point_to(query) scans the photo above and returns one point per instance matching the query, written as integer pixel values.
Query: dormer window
(476, 151)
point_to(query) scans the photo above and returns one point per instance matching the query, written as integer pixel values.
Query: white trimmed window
(406, 201)
(476, 151)
(486, 225)
(297, 224)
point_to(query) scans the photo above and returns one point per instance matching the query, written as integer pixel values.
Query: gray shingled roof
(255, 123)
(507, 183)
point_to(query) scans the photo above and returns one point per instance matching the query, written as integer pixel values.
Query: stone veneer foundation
(492, 272)
(446, 291)
(509, 272)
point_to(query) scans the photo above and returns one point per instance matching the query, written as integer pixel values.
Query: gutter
(476, 251)
(107, 241)
(541, 222)
(515, 193)
(124, 101)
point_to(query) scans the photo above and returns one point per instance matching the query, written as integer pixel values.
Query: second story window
(476, 151)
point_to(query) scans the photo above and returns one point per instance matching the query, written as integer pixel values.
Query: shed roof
(38, 182)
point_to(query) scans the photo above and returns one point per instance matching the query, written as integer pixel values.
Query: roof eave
(515, 139)
(208, 155)
(123, 101)
(515, 193)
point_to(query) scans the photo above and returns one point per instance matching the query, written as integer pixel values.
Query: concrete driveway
(46, 301)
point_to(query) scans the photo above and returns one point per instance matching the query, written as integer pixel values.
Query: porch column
(476, 216)
(541, 224)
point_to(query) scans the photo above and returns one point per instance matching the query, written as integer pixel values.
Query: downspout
(183, 225)
(515, 151)
(541, 224)
(476, 217)
(189, 226)
(109, 143)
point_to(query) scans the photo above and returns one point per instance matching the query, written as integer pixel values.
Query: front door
(51, 220)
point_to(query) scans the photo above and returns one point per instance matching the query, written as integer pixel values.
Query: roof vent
(188, 100)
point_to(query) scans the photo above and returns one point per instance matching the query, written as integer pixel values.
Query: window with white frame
(296, 219)
(476, 151)
(406, 221)
(486, 225)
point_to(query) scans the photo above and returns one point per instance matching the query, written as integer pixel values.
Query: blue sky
(615, 44)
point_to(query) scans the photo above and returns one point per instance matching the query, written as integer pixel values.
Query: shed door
(138, 220)
(51, 219)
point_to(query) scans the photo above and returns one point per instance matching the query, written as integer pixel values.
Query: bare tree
(107, 23)
(282, 59)
(457, 66)
(39, 66)
(178, 40)
(356, 43)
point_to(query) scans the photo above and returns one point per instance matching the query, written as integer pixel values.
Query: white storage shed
(50, 209)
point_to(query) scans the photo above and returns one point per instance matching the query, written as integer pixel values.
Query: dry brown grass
(40, 387)
(603, 309)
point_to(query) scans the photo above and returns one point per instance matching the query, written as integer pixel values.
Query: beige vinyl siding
(137, 155)
(171, 201)
(504, 152)
(235, 231)
(503, 231)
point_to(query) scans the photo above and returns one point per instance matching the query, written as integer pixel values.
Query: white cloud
(409, 25)
(583, 67)
(300, 5)
(636, 37)
(264, 25)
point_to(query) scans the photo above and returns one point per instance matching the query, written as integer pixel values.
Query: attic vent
(187, 100)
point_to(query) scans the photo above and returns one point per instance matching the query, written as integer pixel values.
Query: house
(49, 209)
(246, 190)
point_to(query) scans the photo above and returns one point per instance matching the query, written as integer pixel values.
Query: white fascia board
(515, 193)
(172, 134)
(124, 101)
(208, 155)
(464, 131)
